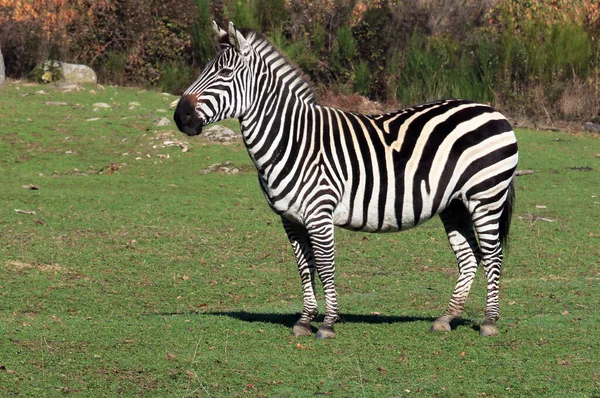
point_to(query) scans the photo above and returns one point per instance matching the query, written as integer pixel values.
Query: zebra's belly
(388, 219)
(369, 221)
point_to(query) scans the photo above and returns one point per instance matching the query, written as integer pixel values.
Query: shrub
(22, 45)
(203, 42)
(242, 14)
(46, 72)
(346, 48)
(175, 77)
(362, 79)
(270, 14)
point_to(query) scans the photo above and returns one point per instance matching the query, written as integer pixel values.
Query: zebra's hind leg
(459, 228)
(487, 227)
(298, 236)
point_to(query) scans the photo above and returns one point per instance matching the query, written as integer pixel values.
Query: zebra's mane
(265, 48)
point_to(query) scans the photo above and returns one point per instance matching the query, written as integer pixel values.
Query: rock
(78, 74)
(67, 88)
(221, 134)
(30, 187)
(162, 122)
(589, 126)
(173, 104)
(2, 69)
(183, 145)
(55, 103)
(224, 168)
(523, 172)
(64, 73)
(103, 105)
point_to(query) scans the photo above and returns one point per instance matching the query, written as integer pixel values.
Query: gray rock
(589, 126)
(163, 122)
(102, 105)
(78, 74)
(224, 168)
(221, 134)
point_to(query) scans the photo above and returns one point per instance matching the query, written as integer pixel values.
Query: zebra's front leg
(303, 251)
(322, 241)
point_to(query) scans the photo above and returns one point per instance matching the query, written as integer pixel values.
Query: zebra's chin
(192, 130)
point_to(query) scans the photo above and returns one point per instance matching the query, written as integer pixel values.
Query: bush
(362, 79)
(270, 15)
(242, 14)
(22, 45)
(175, 77)
(526, 56)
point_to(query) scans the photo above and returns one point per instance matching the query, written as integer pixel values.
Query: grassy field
(138, 276)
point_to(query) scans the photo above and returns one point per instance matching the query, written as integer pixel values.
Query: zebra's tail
(505, 218)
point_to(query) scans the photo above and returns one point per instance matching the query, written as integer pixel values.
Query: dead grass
(350, 103)
(18, 266)
(579, 101)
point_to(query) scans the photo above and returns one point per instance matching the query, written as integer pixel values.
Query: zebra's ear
(219, 33)
(237, 39)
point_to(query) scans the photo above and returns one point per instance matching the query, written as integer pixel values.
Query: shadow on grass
(289, 319)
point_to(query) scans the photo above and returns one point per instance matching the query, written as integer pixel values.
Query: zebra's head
(220, 91)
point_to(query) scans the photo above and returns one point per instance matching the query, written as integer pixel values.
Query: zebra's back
(415, 161)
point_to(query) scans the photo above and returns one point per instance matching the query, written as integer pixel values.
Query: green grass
(146, 278)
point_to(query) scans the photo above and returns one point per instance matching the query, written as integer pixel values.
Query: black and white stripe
(319, 167)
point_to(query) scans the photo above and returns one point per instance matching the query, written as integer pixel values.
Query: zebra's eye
(225, 72)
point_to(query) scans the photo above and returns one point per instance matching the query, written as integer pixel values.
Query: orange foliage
(53, 15)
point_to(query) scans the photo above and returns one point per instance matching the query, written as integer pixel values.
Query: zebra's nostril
(187, 119)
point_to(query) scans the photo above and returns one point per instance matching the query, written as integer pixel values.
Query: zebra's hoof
(442, 324)
(326, 332)
(440, 327)
(488, 329)
(301, 329)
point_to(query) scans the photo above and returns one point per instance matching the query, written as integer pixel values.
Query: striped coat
(319, 167)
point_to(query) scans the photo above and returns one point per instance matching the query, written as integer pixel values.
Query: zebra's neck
(277, 78)
(280, 90)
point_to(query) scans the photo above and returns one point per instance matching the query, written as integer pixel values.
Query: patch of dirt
(21, 266)
(112, 168)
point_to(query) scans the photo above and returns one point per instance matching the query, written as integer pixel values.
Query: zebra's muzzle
(185, 116)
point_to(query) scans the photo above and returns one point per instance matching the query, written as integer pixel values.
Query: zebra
(320, 167)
